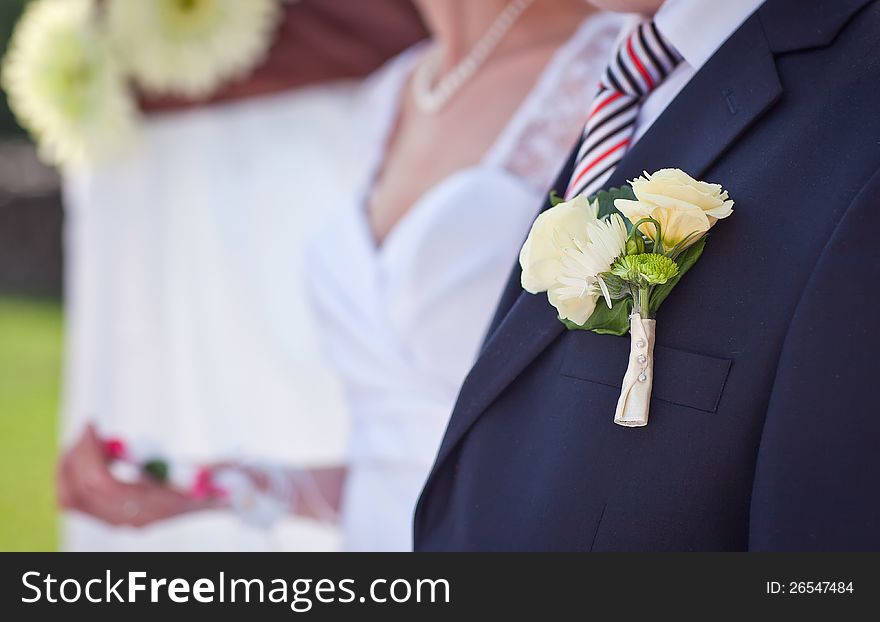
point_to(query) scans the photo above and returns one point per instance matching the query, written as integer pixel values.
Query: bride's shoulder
(569, 80)
(596, 36)
(537, 141)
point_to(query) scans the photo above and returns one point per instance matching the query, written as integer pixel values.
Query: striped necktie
(641, 63)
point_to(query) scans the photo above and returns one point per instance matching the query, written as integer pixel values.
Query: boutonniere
(608, 263)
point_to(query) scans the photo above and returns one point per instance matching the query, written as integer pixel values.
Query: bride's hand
(86, 484)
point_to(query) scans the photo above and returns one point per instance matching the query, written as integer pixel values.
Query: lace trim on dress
(554, 116)
(535, 143)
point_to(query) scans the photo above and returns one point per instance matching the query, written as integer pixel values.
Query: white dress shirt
(697, 29)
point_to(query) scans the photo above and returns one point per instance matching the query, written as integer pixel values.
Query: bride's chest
(415, 164)
(458, 241)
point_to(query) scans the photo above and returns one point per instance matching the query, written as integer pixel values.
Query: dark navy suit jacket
(765, 423)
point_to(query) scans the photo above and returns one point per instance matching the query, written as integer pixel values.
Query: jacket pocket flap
(680, 377)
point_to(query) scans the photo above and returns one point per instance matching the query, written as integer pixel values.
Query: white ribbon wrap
(635, 394)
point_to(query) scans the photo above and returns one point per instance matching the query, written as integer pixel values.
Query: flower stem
(643, 301)
(658, 240)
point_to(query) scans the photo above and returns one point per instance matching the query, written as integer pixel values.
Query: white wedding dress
(402, 323)
(186, 320)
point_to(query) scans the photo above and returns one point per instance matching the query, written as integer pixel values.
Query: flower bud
(635, 245)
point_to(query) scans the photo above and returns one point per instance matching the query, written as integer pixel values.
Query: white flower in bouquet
(554, 229)
(191, 47)
(578, 285)
(567, 250)
(63, 83)
(684, 207)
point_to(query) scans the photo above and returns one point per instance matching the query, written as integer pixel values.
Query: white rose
(682, 205)
(552, 233)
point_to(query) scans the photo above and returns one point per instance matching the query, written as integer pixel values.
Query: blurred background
(30, 331)
(152, 286)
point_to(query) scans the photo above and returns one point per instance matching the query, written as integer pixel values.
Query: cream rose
(552, 233)
(682, 205)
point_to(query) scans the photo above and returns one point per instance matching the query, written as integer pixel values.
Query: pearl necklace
(430, 98)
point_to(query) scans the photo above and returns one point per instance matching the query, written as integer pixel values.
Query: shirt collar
(697, 28)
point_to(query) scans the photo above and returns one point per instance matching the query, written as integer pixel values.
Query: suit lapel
(729, 94)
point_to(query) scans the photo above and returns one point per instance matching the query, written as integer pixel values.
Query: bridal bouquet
(259, 495)
(607, 264)
(147, 462)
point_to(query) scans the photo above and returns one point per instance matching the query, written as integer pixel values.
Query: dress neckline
(400, 71)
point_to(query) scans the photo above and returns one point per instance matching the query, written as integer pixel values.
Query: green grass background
(30, 364)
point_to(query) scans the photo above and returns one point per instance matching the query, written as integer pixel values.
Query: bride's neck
(457, 25)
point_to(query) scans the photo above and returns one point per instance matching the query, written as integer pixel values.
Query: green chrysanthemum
(645, 269)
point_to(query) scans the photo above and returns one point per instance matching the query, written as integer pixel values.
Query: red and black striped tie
(641, 63)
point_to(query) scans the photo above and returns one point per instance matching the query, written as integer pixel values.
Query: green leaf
(617, 287)
(156, 470)
(555, 199)
(605, 321)
(685, 262)
(606, 200)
